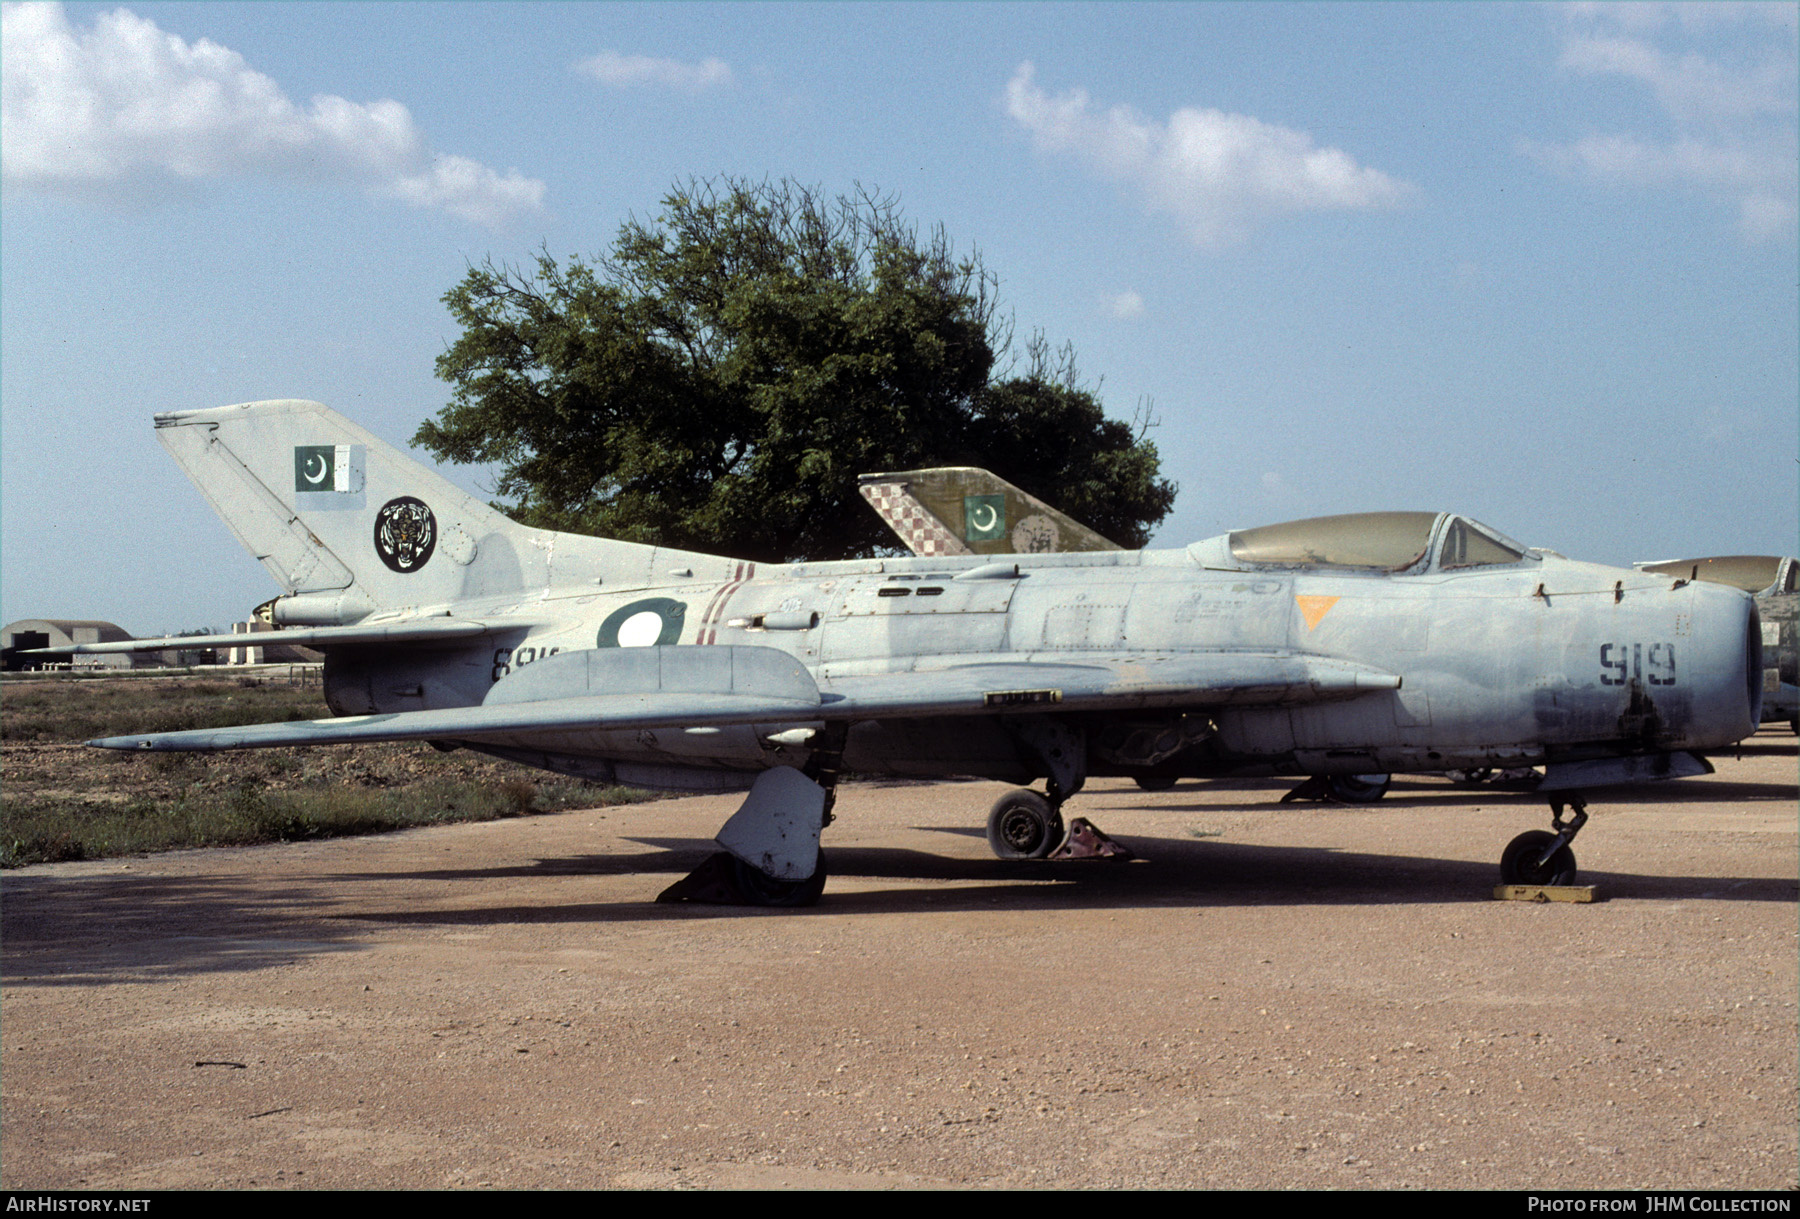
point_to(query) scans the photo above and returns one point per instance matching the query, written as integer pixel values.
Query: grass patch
(61, 801)
(81, 709)
(49, 830)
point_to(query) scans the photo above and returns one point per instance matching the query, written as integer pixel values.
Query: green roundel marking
(654, 621)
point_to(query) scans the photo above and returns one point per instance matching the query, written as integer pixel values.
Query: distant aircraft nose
(1725, 663)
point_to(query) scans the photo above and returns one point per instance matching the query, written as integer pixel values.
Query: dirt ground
(1271, 996)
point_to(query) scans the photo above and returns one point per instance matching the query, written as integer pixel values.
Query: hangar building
(28, 633)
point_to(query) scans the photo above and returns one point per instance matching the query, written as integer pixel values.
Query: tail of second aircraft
(349, 526)
(955, 510)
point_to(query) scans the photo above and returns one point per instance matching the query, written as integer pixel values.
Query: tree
(718, 380)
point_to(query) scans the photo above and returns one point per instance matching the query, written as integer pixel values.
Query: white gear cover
(777, 829)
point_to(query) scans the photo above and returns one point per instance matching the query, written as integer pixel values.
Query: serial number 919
(1651, 664)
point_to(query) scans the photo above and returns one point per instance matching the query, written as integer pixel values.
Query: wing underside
(689, 687)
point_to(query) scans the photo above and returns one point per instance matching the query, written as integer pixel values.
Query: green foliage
(719, 379)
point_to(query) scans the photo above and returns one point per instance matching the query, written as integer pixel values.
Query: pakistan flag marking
(314, 467)
(984, 517)
(329, 467)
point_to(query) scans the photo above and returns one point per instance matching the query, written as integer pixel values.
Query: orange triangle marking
(1314, 608)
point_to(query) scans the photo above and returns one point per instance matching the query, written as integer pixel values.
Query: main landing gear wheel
(1022, 825)
(1154, 783)
(1357, 789)
(758, 888)
(1523, 862)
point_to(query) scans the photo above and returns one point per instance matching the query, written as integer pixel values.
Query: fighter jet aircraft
(1399, 641)
(1774, 580)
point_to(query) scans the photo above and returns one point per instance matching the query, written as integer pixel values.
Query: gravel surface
(1272, 996)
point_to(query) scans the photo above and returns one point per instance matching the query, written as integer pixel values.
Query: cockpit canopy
(1411, 542)
(1754, 573)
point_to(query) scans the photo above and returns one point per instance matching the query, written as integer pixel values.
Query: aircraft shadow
(1697, 793)
(100, 930)
(94, 931)
(1170, 872)
(1446, 795)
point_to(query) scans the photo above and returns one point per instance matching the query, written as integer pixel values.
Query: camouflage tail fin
(964, 510)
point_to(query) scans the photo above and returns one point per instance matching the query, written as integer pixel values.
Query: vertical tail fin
(349, 526)
(966, 510)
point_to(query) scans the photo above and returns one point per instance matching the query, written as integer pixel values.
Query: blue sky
(1532, 263)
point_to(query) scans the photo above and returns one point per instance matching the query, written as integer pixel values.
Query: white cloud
(1731, 112)
(1691, 88)
(123, 107)
(1690, 14)
(629, 71)
(1759, 181)
(1127, 304)
(1219, 174)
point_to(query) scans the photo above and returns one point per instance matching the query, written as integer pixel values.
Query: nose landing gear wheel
(1522, 863)
(1022, 825)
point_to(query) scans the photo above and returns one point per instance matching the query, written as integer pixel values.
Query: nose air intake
(1724, 667)
(1753, 665)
